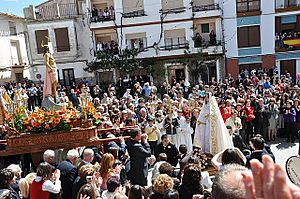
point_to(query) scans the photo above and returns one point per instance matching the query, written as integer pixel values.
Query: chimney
(29, 12)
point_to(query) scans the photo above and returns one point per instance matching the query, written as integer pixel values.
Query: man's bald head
(88, 155)
(228, 183)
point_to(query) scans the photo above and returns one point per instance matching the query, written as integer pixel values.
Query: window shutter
(203, 2)
(177, 33)
(242, 37)
(62, 39)
(40, 35)
(172, 4)
(132, 5)
(254, 36)
(135, 36)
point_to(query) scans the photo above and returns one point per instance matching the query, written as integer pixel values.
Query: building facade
(262, 35)
(13, 54)
(168, 31)
(64, 24)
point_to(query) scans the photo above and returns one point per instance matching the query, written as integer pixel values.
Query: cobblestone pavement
(283, 150)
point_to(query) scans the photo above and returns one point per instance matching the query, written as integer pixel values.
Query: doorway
(179, 74)
(15, 53)
(69, 77)
(19, 77)
(288, 66)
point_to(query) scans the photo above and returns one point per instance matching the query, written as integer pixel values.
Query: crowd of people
(159, 160)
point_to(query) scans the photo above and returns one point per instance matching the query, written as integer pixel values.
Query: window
(204, 5)
(175, 39)
(203, 2)
(247, 5)
(172, 4)
(41, 37)
(205, 28)
(136, 40)
(12, 28)
(249, 36)
(15, 53)
(69, 77)
(62, 39)
(290, 3)
(130, 6)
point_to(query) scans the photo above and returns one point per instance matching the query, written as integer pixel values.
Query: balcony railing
(102, 18)
(248, 6)
(139, 44)
(110, 47)
(138, 13)
(176, 43)
(15, 61)
(287, 41)
(205, 44)
(56, 11)
(173, 10)
(199, 8)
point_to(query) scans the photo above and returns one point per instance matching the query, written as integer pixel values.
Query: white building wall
(298, 66)
(230, 28)
(80, 38)
(267, 27)
(77, 66)
(50, 26)
(267, 36)
(6, 61)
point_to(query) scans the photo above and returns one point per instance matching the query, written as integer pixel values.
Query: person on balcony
(112, 11)
(100, 46)
(212, 38)
(95, 13)
(106, 14)
(197, 40)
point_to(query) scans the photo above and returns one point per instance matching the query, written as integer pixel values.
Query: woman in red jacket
(45, 183)
(249, 112)
(225, 110)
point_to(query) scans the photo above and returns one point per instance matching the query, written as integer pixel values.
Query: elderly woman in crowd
(45, 183)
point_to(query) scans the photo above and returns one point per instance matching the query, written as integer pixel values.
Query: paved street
(283, 150)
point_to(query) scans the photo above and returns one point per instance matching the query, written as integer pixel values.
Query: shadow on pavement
(285, 145)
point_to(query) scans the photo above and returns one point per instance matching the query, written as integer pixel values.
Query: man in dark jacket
(258, 145)
(168, 148)
(68, 173)
(261, 118)
(139, 151)
(73, 98)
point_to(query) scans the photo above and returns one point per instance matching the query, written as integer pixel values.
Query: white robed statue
(211, 134)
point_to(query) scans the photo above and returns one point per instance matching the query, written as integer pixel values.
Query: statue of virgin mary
(211, 134)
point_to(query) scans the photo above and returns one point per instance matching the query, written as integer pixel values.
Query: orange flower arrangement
(49, 120)
(45, 120)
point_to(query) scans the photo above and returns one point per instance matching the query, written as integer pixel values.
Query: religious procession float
(47, 128)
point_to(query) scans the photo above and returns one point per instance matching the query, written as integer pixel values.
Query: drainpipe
(27, 43)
